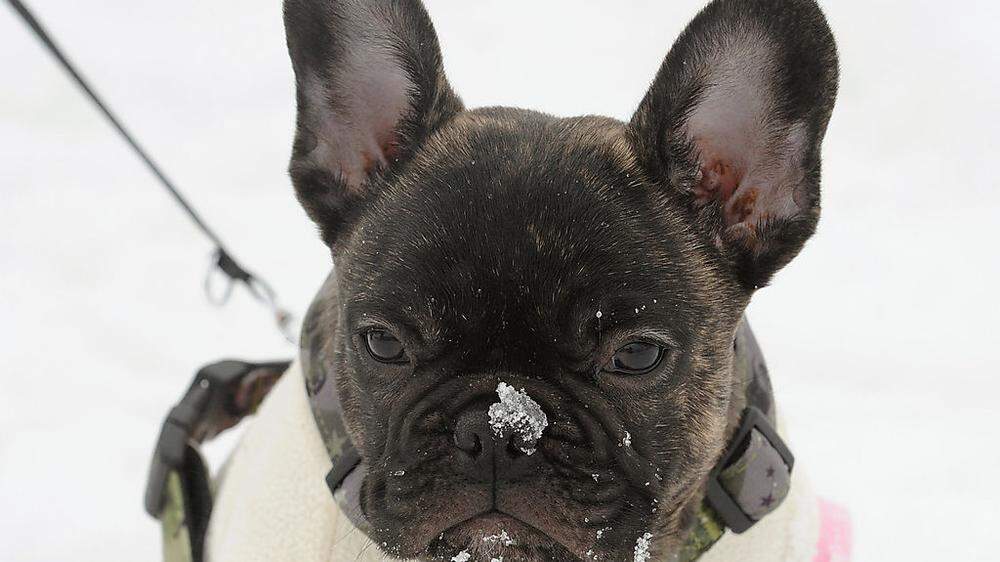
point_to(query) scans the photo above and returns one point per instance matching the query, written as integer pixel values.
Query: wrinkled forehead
(536, 218)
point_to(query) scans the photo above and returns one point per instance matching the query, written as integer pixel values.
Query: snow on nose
(516, 413)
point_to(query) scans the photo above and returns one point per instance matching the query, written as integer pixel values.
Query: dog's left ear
(370, 88)
(733, 124)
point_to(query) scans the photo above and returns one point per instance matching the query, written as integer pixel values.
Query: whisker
(368, 544)
(349, 532)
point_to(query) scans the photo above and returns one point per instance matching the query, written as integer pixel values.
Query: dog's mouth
(494, 535)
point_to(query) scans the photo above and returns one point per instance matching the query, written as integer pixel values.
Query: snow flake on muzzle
(518, 415)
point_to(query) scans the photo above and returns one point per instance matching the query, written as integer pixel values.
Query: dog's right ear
(370, 88)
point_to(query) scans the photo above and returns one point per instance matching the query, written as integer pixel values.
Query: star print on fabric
(767, 501)
(770, 472)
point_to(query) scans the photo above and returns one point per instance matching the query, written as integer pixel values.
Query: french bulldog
(594, 268)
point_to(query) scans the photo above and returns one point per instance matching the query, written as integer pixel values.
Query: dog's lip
(492, 522)
(494, 518)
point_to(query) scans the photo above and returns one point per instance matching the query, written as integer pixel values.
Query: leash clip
(259, 289)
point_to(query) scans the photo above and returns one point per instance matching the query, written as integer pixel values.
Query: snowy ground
(882, 336)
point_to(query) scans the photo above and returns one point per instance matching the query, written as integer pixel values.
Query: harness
(750, 480)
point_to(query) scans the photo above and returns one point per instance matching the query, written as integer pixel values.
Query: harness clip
(220, 395)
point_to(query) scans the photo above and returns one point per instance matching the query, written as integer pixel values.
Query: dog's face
(600, 267)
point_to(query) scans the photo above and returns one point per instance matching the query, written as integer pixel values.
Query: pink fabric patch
(834, 534)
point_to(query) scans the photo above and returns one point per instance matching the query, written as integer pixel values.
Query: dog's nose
(492, 456)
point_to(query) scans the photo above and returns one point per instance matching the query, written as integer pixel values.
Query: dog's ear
(733, 125)
(370, 88)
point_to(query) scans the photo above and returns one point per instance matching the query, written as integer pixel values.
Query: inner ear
(734, 121)
(370, 88)
(749, 162)
(354, 121)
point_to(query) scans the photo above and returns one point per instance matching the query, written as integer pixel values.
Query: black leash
(223, 259)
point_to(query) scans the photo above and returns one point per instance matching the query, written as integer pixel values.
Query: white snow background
(881, 337)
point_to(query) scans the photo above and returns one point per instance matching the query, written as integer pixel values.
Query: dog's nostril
(469, 435)
(513, 449)
(468, 442)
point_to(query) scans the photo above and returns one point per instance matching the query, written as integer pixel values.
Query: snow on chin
(642, 548)
(500, 538)
(518, 413)
(490, 547)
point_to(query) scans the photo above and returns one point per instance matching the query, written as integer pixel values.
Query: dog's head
(600, 266)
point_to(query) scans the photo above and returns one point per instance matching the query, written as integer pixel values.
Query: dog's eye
(636, 358)
(384, 347)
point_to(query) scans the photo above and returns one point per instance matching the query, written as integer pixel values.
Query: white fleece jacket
(272, 505)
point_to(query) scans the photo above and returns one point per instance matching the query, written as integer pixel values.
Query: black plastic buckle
(205, 408)
(342, 467)
(720, 499)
